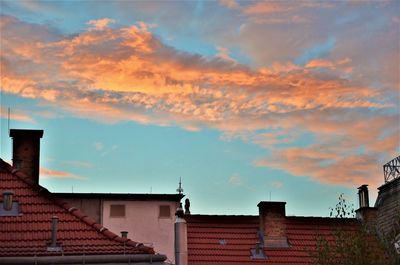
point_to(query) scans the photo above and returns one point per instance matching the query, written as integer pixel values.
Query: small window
(117, 210)
(165, 211)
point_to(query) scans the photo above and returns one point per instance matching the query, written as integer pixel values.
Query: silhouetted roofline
(122, 196)
(127, 245)
(222, 216)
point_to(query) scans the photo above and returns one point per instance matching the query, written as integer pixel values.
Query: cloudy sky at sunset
(297, 101)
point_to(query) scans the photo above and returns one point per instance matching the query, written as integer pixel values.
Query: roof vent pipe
(7, 200)
(124, 234)
(363, 196)
(53, 246)
(54, 223)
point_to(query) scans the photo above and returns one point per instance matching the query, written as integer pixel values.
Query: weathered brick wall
(388, 204)
(273, 223)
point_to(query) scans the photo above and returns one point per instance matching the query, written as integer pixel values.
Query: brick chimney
(26, 151)
(273, 224)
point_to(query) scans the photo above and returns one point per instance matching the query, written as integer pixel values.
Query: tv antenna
(180, 189)
(8, 121)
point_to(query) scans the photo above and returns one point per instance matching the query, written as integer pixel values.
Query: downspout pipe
(153, 259)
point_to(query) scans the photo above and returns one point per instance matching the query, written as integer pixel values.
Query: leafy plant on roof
(348, 245)
(342, 209)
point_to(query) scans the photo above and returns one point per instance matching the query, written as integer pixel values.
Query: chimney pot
(363, 196)
(179, 211)
(366, 214)
(26, 151)
(124, 234)
(7, 200)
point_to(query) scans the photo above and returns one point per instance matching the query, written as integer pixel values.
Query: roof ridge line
(81, 216)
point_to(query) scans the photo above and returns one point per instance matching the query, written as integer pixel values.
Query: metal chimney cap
(124, 234)
(8, 192)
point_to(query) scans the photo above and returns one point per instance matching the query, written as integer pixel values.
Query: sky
(246, 101)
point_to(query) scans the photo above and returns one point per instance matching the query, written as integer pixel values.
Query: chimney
(273, 224)
(26, 151)
(181, 246)
(363, 196)
(366, 214)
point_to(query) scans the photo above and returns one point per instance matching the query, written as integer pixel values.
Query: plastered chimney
(273, 223)
(181, 245)
(26, 151)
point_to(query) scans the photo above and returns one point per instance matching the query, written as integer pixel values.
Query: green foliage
(348, 247)
(342, 209)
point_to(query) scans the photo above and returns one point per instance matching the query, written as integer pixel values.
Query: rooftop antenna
(8, 121)
(180, 189)
(151, 189)
(270, 195)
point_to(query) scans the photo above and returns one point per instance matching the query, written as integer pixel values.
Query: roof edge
(123, 196)
(72, 210)
(256, 216)
(87, 259)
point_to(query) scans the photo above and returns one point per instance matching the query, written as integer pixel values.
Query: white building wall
(143, 223)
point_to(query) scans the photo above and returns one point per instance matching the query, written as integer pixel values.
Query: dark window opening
(117, 210)
(165, 211)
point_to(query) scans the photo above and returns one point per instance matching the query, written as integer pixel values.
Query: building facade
(149, 218)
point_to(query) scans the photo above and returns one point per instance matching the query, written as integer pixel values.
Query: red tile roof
(227, 240)
(28, 234)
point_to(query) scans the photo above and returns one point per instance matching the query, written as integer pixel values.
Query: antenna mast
(180, 189)
(8, 121)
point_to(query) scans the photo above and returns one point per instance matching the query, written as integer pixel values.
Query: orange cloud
(100, 24)
(229, 3)
(349, 171)
(265, 8)
(49, 173)
(128, 74)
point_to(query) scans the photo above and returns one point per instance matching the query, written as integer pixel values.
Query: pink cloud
(50, 173)
(266, 7)
(16, 115)
(350, 171)
(100, 24)
(128, 74)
